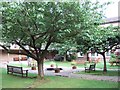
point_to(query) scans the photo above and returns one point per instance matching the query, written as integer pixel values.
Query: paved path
(70, 73)
(95, 77)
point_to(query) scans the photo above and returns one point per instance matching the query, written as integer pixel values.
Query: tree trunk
(65, 56)
(40, 69)
(87, 56)
(104, 59)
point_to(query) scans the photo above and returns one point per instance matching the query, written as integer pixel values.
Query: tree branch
(34, 46)
(4, 47)
(27, 51)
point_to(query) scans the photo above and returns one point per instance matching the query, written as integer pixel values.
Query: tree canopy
(100, 40)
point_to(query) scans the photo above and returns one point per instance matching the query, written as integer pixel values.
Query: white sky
(112, 9)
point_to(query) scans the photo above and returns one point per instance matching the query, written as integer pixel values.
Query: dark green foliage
(73, 57)
(118, 57)
(113, 55)
(59, 58)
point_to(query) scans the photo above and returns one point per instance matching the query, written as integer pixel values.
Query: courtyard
(59, 44)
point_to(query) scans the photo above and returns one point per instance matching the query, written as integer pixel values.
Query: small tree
(101, 40)
(112, 57)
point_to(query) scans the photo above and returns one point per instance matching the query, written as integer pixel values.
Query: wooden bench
(18, 70)
(91, 68)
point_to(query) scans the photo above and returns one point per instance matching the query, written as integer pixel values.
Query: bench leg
(7, 72)
(22, 74)
(86, 70)
(26, 74)
(89, 71)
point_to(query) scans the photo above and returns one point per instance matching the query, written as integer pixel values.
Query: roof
(112, 20)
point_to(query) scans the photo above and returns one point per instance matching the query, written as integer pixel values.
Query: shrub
(59, 58)
(73, 57)
(113, 55)
(118, 57)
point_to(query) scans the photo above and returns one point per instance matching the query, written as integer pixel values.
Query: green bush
(113, 55)
(73, 57)
(118, 57)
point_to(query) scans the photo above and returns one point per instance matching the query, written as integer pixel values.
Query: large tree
(39, 25)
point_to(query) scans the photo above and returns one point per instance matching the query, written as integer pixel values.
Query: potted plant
(57, 70)
(73, 63)
(74, 67)
(33, 67)
(52, 64)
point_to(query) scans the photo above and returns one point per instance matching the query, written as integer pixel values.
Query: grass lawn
(63, 82)
(10, 81)
(66, 64)
(99, 72)
(101, 64)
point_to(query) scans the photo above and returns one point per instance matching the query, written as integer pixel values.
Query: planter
(57, 70)
(51, 65)
(74, 67)
(33, 68)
